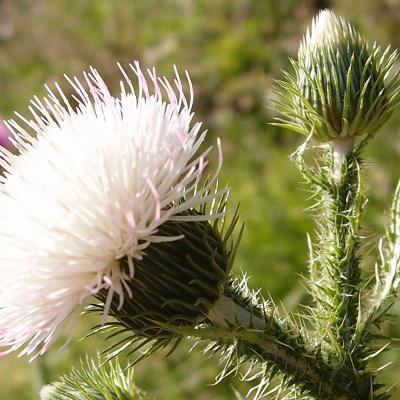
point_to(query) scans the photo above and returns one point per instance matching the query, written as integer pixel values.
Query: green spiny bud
(176, 282)
(343, 86)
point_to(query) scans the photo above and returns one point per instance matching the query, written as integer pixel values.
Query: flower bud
(342, 85)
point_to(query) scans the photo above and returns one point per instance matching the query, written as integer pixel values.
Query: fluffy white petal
(92, 186)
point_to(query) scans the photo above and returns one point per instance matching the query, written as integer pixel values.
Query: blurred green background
(233, 49)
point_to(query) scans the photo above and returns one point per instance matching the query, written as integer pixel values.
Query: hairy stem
(270, 340)
(335, 274)
(335, 271)
(226, 312)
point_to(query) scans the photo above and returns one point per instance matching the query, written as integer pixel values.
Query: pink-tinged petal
(5, 136)
(88, 186)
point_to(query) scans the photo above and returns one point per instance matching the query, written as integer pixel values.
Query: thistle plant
(111, 202)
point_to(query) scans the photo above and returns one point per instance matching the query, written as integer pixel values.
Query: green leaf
(95, 381)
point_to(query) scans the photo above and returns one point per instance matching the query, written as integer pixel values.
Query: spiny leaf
(95, 381)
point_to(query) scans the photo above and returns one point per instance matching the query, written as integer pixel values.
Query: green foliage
(95, 382)
(387, 274)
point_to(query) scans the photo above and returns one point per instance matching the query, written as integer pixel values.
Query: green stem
(271, 341)
(226, 312)
(335, 270)
(341, 149)
(335, 273)
(335, 276)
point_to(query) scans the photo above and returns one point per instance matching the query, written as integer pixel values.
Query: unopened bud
(342, 85)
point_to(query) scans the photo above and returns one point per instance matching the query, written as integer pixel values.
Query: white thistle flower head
(92, 187)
